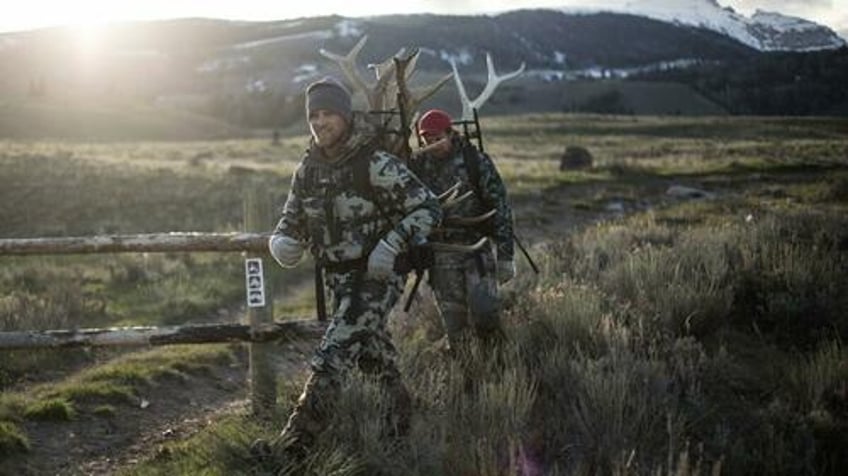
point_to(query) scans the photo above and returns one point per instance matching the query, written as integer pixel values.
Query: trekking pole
(526, 254)
(419, 276)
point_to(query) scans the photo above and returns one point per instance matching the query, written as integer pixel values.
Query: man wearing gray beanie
(355, 208)
(328, 93)
(329, 114)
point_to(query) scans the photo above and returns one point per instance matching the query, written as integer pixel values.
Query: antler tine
(348, 65)
(460, 248)
(463, 96)
(448, 196)
(452, 191)
(492, 82)
(401, 62)
(421, 94)
(453, 200)
(469, 221)
(404, 64)
(385, 71)
(412, 60)
(416, 96)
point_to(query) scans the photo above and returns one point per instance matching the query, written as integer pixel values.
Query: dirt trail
(179, 411)
(171, 409)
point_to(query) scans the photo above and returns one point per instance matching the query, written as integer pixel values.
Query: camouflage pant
(356, 338)
(465, 286)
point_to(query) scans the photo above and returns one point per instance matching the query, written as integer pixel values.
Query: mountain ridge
(252, 74)
(763, 30)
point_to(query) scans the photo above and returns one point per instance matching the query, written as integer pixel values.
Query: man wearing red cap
(466, 284)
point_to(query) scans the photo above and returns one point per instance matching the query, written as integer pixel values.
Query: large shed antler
(493, 81)
(375, 93)
(390, 93)
(414, 97)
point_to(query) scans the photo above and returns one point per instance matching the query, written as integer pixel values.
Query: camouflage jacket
(489, 192)
(341, 209)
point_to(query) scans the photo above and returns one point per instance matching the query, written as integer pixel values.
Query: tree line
(797, 84)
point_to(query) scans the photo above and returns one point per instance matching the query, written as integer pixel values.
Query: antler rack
(492, 82)
(389, 93)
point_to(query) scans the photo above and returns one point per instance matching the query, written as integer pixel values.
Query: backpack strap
(472, 166)
(362, 182)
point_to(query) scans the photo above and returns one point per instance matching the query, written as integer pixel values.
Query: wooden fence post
(263, 389)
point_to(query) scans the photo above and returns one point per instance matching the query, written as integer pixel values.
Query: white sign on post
(255, 282)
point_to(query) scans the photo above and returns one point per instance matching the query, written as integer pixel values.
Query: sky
(30, 14)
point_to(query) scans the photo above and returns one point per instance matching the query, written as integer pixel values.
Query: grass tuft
(53, 409)
(12, 439)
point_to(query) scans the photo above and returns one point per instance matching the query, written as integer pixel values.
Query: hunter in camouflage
(466, 284)
(355, 208)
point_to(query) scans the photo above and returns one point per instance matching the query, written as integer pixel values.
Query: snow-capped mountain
(765, 31)
(781, 32)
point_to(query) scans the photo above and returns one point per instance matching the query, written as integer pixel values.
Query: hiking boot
(398, 416)
(278, 455)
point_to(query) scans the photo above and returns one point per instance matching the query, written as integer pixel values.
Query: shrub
(53, 409)
(791, 278)
(12, 439)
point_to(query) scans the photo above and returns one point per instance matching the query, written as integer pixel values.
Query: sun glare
(89, 38)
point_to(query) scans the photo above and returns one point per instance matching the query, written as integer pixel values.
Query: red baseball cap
(434, 122)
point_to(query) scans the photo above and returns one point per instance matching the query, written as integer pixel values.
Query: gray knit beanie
(328, 93)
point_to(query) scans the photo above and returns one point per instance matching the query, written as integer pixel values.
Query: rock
(575, 157)
(615, 207)
(681, 191)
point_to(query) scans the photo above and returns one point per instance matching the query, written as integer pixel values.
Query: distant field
(536, 96)
(24, 119)
(72, 187)
(71, 118)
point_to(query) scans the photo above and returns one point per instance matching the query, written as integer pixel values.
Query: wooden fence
(260, 328)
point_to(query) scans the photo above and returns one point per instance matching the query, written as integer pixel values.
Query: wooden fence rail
(129, 336)
(153, 242)
(260, 327)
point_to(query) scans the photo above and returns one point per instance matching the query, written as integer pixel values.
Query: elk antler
(455, 200)
(390, 91)
(420, 94)
(450, 193)
(470, 221)
(460, 248)
(375, 94)
(468, 106)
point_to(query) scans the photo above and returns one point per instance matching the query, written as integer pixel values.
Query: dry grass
(691, 339)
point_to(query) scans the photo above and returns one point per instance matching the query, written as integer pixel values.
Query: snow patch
(256, 86)
(600, 72)
(305, 72)
(223, 64)
(560, 57)
(461, 57)
(348, 28)
(317, 35)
